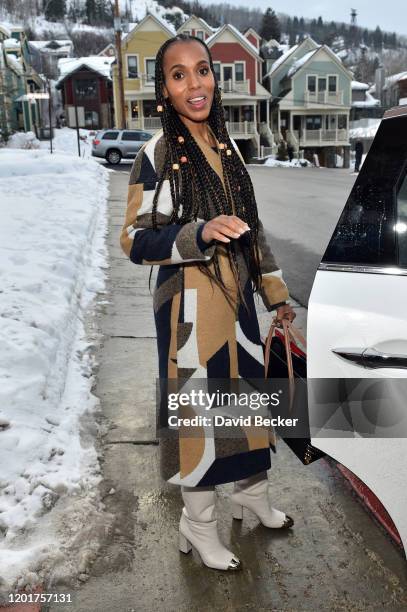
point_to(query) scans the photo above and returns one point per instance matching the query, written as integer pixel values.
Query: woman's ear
(165, 91)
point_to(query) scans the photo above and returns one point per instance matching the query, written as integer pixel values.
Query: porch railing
(321, 136)
(323, 97)
(145, 123)
(236, 128)
(232, 86)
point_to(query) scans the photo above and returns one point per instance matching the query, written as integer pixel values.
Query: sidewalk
(335, 558)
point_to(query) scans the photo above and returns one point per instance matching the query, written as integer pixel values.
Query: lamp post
(118, 40)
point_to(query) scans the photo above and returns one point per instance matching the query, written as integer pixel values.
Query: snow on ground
(66, 140)
(52, 256)
(295, 163)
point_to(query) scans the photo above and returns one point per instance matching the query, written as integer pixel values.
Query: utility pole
(118, 39)
(50, 114)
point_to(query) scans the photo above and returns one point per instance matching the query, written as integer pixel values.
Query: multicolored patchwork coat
(200, 333)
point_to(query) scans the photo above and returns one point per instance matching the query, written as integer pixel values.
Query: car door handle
(372, 358)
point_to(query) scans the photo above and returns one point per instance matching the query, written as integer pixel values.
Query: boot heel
(184, 544)
(237, 511)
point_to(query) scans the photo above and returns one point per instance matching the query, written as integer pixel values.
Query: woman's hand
(223, 228)
(285, 312)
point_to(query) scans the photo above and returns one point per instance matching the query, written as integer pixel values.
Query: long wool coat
(200, 333)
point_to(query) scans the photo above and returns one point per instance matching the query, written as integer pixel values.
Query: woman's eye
(204, 71)
(176, 75)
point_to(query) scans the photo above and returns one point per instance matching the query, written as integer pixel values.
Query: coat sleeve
(274, 292)
(168, 245)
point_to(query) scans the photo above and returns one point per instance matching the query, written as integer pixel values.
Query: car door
(357, 327)
(130, 141)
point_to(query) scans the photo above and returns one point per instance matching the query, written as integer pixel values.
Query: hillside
(89, 23)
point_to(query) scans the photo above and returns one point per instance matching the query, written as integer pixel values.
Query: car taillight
(96, 142)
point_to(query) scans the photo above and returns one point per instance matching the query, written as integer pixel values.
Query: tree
(54, 10)
(270, 26)
(90, 9)
(378, 39)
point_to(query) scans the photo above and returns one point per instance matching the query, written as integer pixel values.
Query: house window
(199, 34)
(188, 32)
(216, 68)
(239, 71)
(150, 69)
(311, 83)
(91, 119)
(86, 89)
(313, 122)
(322, 84)
(333, 84)
(132, 72)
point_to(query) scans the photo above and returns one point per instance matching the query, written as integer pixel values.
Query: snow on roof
(139, 9)
(394, 78)
(11, 43)
(369, 102)
(368, 131)
(280, 60)
(14, 63)
(357, 85)
(100, 64)
(300, 62)
(64, 46)
(238, 34)
(342, 54)
(5, 28)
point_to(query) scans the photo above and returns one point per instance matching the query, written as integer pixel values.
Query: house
(196, 26)
(311, 101)
(139, 48)
(238, 68)
(47, 53)
(109, 51)
(364, 105)
(395, 90)
(86, 82)
(21, 88)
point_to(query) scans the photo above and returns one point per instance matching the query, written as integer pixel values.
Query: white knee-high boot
(252, 493)
(198, 527)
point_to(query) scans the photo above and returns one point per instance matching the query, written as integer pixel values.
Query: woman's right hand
(223, 228)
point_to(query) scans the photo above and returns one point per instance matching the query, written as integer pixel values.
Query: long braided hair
(195, 184)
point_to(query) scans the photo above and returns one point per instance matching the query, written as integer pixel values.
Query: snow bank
(366, 131)
(23, 140)
(52, 255)
(295, 163)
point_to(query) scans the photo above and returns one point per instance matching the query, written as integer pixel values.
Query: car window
(367, 231)
(132, 136)
(110, 136)
(146, 136)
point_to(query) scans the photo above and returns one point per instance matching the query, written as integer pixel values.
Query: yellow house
(139, 49)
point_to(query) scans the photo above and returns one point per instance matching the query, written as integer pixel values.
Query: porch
(317, 129)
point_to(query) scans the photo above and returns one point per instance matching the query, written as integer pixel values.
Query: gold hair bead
(228, 152)
(180, 139)
(183, 159)
(159, 108)
(175, 166)
(221, 145)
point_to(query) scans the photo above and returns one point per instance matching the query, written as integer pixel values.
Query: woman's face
(189, 81)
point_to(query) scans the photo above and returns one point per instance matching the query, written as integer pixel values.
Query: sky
(390, 15)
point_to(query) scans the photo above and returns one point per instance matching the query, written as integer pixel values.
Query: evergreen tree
(54, 10)
(378, 39)
(270, 26)
(91, 12)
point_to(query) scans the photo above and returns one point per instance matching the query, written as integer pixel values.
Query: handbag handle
(288, 330)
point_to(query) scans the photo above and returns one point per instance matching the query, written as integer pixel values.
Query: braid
(194, 186)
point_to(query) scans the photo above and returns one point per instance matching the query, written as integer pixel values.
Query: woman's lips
(198, 102)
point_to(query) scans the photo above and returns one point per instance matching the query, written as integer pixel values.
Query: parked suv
(114, 145)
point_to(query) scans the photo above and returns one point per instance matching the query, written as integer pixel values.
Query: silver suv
(114, 145)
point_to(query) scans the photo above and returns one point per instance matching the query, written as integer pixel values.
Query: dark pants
(358, 160)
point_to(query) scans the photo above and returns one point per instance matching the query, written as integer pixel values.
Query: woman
(192, 211)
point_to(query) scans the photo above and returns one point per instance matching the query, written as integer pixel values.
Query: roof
(96, 63)
(199, 19)
(369, 102)
(394, 78)
(357, 85)
(299, 63)
(14, 64)
(52, 46)
(281, 60)
(164, 24)
(238, 35)
(11, 43)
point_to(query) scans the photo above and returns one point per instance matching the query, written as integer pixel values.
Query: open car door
(357, 327)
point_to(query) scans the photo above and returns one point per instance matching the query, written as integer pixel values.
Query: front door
(357, 327)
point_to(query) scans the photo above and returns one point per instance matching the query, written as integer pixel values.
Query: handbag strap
(286, 332)
(268, 345)
(297, 335)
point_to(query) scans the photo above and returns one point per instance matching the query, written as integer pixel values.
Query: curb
(371, 502)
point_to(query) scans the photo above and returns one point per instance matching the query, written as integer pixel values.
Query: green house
(311, 101)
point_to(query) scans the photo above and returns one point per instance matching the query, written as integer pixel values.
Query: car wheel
(113, 156)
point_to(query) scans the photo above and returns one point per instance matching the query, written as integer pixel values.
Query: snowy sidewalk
(52, 255)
